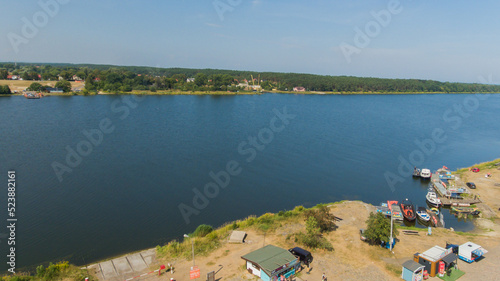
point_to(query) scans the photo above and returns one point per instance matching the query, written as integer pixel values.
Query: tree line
(127, 78)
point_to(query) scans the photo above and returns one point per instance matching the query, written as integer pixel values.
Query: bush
(324, 219)
(313, 241)
(202, 230)
(5, 90)
(52, 271)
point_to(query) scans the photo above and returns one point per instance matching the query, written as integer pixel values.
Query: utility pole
(390, 240)
(192, 246)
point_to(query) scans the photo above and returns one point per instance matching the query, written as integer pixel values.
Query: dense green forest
(127, 78)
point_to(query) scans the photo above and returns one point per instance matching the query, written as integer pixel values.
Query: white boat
(432, 198)
(425, 173)
(422, 214)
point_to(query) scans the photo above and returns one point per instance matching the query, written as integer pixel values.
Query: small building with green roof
(270, 262)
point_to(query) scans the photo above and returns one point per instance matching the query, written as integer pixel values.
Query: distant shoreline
(220, 93)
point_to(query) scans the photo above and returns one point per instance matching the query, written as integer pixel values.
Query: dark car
(471, 185)
(304, 256)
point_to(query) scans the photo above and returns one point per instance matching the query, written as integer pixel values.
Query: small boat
(416, 172)
(408, 210)
(436, 211)
(32, 95)
(422, 214)
(433, 218)
(432, 198)
(465, 210)
(425, 174)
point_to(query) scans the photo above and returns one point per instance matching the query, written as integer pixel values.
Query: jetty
(450, 195)
(460, 202)
(439, 186)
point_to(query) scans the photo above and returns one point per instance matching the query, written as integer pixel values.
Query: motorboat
(408, 210)
(422, 214)
(432, 199)
(416, 172)
(425, 174)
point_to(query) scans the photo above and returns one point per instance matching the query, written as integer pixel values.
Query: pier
(459, 202)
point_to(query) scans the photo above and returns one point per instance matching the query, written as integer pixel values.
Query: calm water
(124, 195)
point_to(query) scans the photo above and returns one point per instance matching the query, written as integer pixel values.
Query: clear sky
(440, 40)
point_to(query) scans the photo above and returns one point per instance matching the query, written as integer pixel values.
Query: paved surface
(125, 267)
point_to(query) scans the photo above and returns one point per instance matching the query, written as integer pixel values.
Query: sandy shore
(353, 259)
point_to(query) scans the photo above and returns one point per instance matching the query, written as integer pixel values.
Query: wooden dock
(459, 202)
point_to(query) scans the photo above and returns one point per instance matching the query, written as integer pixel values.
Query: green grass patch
(58, 271)
(481, 166)
(412, 228)
(454, 275)
(394, 269)
(466, 233)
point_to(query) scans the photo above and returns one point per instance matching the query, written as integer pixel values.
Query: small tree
(5, 90)
(325, 220)
(64, 85)
(312, 227)
(379, 228)
(35, 87)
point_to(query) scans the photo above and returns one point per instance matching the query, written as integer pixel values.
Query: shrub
(202, 230)
(324, 219)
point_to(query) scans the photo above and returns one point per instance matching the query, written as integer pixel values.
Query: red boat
(408, 210)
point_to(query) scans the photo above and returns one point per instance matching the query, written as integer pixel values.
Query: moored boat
(465, 210)
(32, 95)
(416, 172)
(422, 214)
(425, 174)
(408, 210)
(432, 198)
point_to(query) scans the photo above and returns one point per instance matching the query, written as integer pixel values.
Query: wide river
(100, 176)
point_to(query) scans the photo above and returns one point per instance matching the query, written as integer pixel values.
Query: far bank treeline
(127, 78)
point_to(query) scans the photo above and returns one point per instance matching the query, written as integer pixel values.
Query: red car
(475, 170)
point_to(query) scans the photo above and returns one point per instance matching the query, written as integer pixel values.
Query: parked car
(304, 256)
(471, 185)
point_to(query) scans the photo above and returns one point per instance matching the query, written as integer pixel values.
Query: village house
(299, 89)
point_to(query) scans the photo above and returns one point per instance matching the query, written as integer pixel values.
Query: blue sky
(440, 40)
